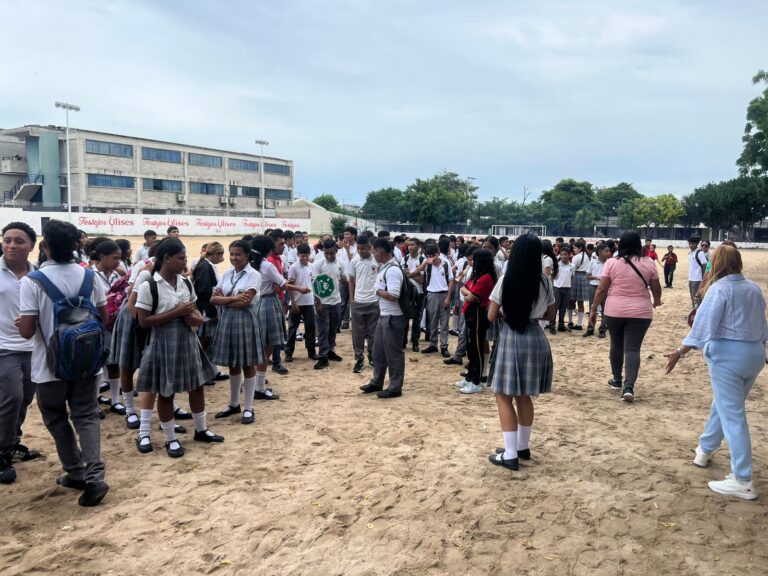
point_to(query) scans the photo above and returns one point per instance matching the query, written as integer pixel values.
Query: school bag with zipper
(408, 298)
(76, 350)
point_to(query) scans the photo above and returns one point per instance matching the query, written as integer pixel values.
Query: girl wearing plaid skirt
(173, 361)
(269, 309)
(521, 366)
(580, 288)
(237, 340)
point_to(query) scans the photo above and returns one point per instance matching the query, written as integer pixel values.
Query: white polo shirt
(299, 275)
(233, 282)
(168, 297)
(10, 289)
(695, 264)
(438, 281)
(412, 264)
(34, 302)
(390, 278)
(333, 269)
(364, 271)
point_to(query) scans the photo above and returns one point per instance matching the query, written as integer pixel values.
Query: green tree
(754, 158)
(498, 211)
(385, 204)
(338, 223)
(637, 213)
(329, 202)
(440, 201)
(584, 221)
(739, 202)
(568, 197)
(669, 210)
(610, 198)
(549, 215)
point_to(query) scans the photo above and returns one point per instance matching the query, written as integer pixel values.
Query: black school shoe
(321, 363)
(429, 350)
(415, 348)
(174, 452)
(228, 411)
(444, 352)
(590, 332)
(248, 417)
(452, 361)
(220, 377)
(93, 494)
(21, 453)
(384, 394)
(334, 357)
(143, 448)
(521, 454)
(498, 460)
(7, 471)
(67, 481)
(181, 414)
(358, 367)
(370, 388)
(601, 333)
(288, 358)
(268, 394)
(614, 384)
(280, 369)
(204, 436)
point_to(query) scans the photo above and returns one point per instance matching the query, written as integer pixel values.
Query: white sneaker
(472, 388)
(732, 487)
(462, 383)
(702, 459)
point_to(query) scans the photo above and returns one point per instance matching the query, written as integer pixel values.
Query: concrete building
(115, 173)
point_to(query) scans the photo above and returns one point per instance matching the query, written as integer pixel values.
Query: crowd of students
(177, 321)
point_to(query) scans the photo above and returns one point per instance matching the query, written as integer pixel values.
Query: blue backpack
(76, 350)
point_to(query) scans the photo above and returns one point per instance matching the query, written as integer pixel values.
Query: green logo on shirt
(323, 286)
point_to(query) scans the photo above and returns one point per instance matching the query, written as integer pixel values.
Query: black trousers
(669, 275)
(627, 336)
(562, 297)
(476, 319)
(306, 313)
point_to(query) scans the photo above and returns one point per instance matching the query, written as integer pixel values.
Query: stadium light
(261, 144)
(67, 107)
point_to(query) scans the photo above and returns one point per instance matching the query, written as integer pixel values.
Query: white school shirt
(467, 276)
(10, 289)
(364, 271)
(143, 276)
(333, 269)
(168, 297)
(299, 275)
(412, 264)
(137, 269)
(595, 269)
(341, 256)
(545, 298)
(546, 262)
(142, 253)
(106, 281)
(437, 280)
(390, 278)
(580, 262)
(564, 275)
(694, 268)
(290, 257)
(233, 282)
(398, 255)
(34, 302)
(269, 277)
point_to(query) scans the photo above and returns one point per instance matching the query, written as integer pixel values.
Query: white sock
(510, 445)
(570, 316)
(234, 389)
(249, 387)
(486, 364)
(169, 430)
(114, 389)
(523, 436)
(145, 422)
(175, 405)
(130, 408)
(200, 424)
(261, 379)
(581, 318)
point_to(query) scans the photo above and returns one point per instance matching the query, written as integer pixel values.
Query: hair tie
(255, 251)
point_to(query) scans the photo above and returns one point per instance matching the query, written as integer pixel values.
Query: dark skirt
(580, 288)
(124, 349)
(269, 314)
(173, 361)
(237, 341)
(522, 363)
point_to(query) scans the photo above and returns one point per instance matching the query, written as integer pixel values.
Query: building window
(159, 155)
(206, 188)
(204, 160)
(277, 194)
(249, 191)
(237, 164)
(282, 169)
(108, 148)
(158, 185)
(106, 181)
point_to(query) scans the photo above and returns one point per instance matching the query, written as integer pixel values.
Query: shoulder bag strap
(629, 261)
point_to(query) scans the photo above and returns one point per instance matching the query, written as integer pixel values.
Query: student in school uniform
(463, 275)
(594, 272)
(670, 265)
(549, 267)
(16, 387)
(439, 283)
(364, 302)
(522, 362)
(72, 403)
(697, 264)
(237, 342)
(126, 262)
(276, 258)
(150, 237)
(302, 305)
(562, 288)
(173, 361)
(580, 284)
(388, 353)
(411, 263)
(477, 291)
(327, 271)
(345, 254)
(205, 277)
(107, 255)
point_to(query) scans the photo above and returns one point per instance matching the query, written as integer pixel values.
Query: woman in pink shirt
(627, 280)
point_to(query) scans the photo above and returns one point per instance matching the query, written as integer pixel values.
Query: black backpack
(409, 298)
(429, 273)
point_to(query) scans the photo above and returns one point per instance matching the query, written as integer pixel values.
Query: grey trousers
(461, 346)
(437, 315)
(327, 322)
(83, 461)
(16, 393)
(365, 317)
(693, 287)
(388, 351)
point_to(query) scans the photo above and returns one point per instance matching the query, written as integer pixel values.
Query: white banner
(116, 225)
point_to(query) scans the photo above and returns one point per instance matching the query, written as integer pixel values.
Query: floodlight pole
(67, 107)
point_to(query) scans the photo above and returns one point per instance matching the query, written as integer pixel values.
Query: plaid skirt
(173, 361)
(521, 364)
(493, 330)
(269, 314)
(580, 288)
(237, 341)
(124, 350)
(207, 330)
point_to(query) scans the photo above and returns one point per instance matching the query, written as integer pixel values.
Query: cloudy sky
(364, 94)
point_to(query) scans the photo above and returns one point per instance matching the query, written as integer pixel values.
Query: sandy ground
(330, 482)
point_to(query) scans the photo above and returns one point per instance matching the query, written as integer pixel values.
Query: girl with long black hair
(477, 291)
(521, 366)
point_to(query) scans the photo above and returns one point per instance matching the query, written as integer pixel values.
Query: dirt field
(330, 482)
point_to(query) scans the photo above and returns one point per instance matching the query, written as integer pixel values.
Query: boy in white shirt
(302, 305)
(328, 271)
(594, 272)
(438, 283)
(562, 285)
(363, 302)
